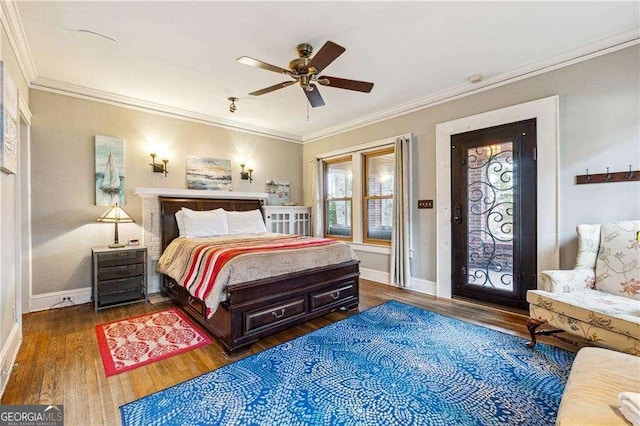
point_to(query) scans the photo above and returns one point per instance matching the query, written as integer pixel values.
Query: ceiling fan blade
(327, 54)
(259, 64)
(343, 83)
(314, 96)
(272, 88)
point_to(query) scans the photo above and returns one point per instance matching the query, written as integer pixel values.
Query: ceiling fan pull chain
(307, 110)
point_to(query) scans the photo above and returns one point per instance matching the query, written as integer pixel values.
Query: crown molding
(110, 98)
(12, 23)
(583, 53)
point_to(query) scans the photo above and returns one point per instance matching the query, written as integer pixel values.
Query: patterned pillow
(618, 262)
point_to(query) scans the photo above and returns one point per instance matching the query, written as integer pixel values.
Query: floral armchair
(599, 299)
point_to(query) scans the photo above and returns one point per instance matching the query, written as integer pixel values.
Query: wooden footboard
(260, 308)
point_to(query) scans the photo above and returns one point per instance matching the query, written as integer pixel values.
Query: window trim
(325, 199)
(366, 197)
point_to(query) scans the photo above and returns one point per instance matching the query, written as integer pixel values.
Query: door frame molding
(545, 111)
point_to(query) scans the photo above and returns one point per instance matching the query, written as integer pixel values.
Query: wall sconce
(157, 167)
(232, 107)
(246, 175)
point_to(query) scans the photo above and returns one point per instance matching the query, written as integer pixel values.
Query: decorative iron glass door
(493, 187)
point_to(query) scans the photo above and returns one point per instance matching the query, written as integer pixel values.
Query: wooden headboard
(169, 206)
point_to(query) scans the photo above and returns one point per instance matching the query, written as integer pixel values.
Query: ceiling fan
(305, 71)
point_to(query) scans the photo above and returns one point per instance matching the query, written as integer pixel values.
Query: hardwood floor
(59, 362)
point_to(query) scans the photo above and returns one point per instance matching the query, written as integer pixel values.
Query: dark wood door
(493, 205)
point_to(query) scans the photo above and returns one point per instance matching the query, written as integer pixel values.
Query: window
(358, 195)
(378, 196)
(338, 185)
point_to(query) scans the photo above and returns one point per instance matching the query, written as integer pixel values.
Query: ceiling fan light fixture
(305, 69)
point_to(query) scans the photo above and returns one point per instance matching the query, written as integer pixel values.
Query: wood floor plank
(59, 361)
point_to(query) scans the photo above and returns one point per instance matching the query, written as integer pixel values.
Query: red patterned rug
(134, 342)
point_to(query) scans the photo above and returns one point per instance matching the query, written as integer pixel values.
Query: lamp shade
(115, 215)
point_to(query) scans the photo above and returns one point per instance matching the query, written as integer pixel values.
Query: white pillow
(208, 223)
(180, 221)
(249, 222)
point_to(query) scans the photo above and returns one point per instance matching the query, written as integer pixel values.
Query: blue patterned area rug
(394, 364)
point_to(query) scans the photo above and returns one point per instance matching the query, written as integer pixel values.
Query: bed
(256, 309)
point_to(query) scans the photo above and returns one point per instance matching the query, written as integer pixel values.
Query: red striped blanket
(198, 264)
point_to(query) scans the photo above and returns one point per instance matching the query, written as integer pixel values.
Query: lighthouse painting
(109, 171)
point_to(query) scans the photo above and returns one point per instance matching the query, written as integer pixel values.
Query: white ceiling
(181, 55)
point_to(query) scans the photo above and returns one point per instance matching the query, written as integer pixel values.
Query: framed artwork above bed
(208, 173)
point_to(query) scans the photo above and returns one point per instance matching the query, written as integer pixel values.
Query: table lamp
(115, 215)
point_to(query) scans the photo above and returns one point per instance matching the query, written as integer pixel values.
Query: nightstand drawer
(114, 272)
(120, 258)
(123, 284)
(125, 296)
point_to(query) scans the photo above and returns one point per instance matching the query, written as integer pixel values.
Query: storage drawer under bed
(259, 320)
(335, 296)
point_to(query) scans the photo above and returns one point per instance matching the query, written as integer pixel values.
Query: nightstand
(119, 276)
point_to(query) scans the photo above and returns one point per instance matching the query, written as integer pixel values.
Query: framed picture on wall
(8, 122)
(277, 193)
(208, 173)
(109, 171)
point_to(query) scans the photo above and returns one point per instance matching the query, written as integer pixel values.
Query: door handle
(457, 214)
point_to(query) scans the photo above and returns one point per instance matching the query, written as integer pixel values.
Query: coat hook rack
(628, 176)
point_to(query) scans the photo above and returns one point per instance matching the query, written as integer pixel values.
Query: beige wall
(599, 128)
(63, 212)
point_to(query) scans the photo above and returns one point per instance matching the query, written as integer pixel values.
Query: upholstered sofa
(599, 299)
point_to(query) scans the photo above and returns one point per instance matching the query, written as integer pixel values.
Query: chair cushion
(618, 261)
(604, 310)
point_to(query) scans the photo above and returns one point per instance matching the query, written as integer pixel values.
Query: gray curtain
(318, 199)
(400, 267)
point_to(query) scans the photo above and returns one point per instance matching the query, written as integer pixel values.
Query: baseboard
(417, 284)
(9, 354)
(377, 276)
(41, 302)
(424, 286)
